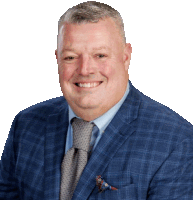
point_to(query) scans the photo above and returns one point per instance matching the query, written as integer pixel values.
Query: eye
(69, 58)
(101, 56)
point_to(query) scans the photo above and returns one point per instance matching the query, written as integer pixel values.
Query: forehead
(102, 33)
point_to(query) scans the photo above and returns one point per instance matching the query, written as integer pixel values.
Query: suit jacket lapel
(120, 128)
(55, 139)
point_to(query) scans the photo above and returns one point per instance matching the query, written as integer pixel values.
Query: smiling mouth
(88, 85)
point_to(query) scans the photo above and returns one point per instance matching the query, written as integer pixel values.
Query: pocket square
(103, 185)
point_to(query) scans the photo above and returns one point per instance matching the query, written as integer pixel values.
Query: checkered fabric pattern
(76, 158)
(146, 152)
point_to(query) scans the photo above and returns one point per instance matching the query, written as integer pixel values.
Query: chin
(86, 105)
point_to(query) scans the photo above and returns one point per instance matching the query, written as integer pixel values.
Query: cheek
(66, 73)
(110, 69)
(106, 69)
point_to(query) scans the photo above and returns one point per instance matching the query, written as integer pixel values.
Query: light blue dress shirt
(101, 122)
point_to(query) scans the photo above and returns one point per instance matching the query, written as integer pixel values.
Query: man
(138, 148)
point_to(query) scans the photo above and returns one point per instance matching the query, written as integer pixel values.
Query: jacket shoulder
(46, 107)
(157, 113)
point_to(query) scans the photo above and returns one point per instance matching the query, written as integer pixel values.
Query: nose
(86, 66)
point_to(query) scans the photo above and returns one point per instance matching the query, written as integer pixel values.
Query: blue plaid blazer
(146, 152)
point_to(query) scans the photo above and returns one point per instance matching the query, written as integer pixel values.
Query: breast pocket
(124, 193)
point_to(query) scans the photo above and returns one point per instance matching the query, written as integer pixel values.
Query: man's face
(93, 66)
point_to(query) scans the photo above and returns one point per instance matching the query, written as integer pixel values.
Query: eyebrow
(66, 49)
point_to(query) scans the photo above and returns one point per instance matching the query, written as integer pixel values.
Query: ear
(56, 54)
(127, 55)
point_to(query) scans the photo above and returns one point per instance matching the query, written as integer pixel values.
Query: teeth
(88, 85)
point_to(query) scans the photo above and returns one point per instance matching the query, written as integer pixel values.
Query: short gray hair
(92, 12)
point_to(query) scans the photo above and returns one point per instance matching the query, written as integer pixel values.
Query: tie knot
(81, 133)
